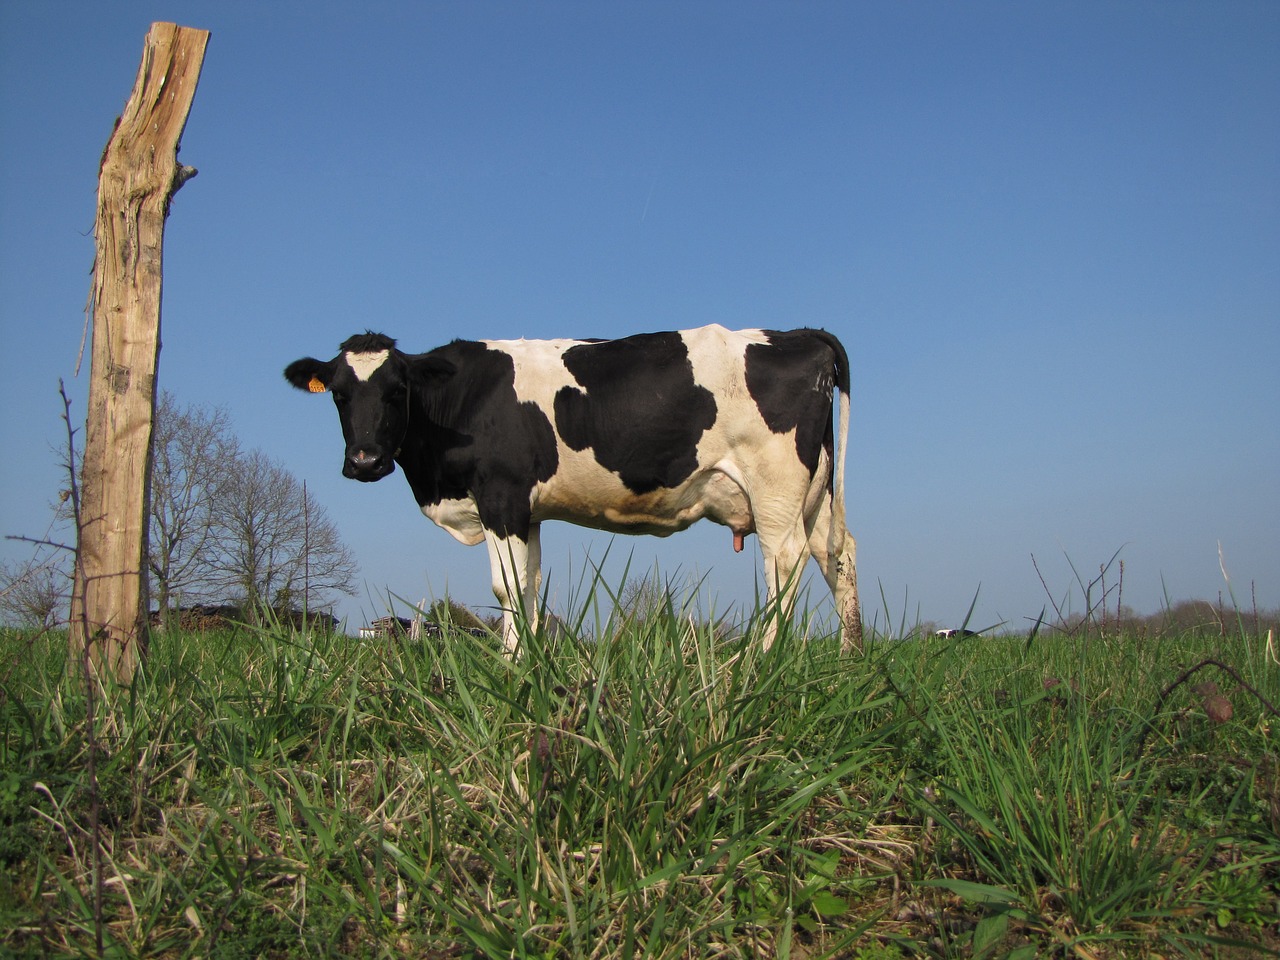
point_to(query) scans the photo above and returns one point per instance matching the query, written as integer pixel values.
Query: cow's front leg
(514, 587)
(533, 574)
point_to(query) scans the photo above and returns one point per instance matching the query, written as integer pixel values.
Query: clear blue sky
(1048, 234)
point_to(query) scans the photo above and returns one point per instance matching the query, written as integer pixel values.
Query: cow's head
(372, 385)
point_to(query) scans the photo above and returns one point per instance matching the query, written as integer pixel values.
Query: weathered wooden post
(138, 176)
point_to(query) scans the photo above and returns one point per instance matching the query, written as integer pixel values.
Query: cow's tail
(841, 563)
(841, 371)
(842, 452)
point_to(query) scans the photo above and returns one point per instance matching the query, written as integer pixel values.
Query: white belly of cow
(586, 495)
(459, 517)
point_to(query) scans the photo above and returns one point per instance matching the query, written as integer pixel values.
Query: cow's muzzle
(367, 467)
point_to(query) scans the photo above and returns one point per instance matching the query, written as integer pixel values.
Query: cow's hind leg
(513, 585)
(835, 550)
(785, 549)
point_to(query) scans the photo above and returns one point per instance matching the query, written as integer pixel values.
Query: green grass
(665, 790)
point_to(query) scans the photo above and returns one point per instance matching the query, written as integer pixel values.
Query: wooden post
(138, 176)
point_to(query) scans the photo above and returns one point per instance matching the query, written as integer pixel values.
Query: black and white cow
(645, 434)
(950, 633)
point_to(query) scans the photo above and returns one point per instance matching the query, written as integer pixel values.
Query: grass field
(665, 790)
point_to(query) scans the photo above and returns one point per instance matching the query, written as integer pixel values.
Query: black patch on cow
(471, 435)
(639, 409)
(791, 378)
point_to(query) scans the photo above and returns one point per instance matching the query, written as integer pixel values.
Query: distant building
(386, 627)
(418, 629)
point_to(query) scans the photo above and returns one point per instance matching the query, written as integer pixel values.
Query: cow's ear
(431, 370)
(310, 374)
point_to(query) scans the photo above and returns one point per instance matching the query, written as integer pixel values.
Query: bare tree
(34, 592)
(272, 546)
(225, 526)
(195, 455)
(643, 598)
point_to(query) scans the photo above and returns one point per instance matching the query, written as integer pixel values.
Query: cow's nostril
(363, 465)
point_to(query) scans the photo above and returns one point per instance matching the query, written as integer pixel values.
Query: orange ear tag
(315, 386)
